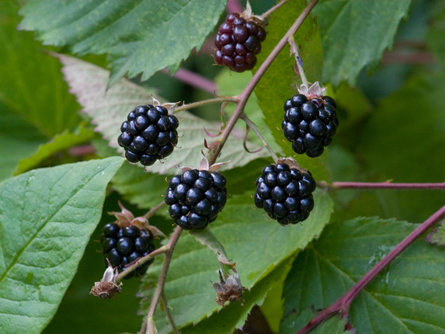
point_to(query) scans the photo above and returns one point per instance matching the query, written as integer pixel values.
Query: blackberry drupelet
(148, 134)
(285, 193)
(195, 197)
(124, 245)
(238, 41)
(309, 123)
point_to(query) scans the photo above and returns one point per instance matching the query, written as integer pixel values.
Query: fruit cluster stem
(148, 325)
(342, 304)
(298, 61)
(189, 106)
(244, 96)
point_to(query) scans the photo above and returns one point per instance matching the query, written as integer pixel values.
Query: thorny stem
(148, 325)
(233, 6)
(296, 51)
(254, 128)
(381, 185)
(233, 99)
(244, 96)
(141, 261)
(167, 311)
(271, 10)
(343, 303)
(194, 79)
(154, 209)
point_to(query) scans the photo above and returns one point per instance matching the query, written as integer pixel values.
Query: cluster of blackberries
(122, 246)
(285, 193)
(237, 43)
(195, 198)
(309, 124)
(148, 134)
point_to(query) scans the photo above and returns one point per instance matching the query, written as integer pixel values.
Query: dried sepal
(292, 163)
(248, 15)
(228, 289)
(314, 90)
(107, 286)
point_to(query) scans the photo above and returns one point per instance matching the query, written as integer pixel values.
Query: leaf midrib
(22, 250)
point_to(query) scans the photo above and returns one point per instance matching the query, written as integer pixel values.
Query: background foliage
(62, 86)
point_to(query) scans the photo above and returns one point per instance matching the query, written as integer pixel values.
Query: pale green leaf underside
(108, 109)
(355, 34)
(46, 219)
(139, 36)
(406, 297)
(251, 239)
(59, 143)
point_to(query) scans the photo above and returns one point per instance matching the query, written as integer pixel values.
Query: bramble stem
(343, 303)
(272, 9)
(149, 324)
(154, 209)
(296, 51)
(205, 102)
(244, 96)
(167, 311)
(254, 128)
(141, 261)
(382, 185)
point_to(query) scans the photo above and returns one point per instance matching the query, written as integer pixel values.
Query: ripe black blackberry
(310, 123)
(148, 134)
(285, 193)
(238, 41)
(123, 245)
(195, 198)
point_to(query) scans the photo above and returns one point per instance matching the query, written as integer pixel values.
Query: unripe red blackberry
(238, 41)
(285, 193)
(123, 245)
(148, 134)
(195, 197)
(310, 122)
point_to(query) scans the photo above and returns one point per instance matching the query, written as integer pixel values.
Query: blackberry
(148, 134)
(238, 41)
(123, 245)
(285, 193)
(309, 123)
(195, 197)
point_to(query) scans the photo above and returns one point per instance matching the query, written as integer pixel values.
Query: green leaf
(46, 219)
(436, 31)
(32, 84)
(234, 315)
(88, 82)
(59, 143)
(251, 239)
(355, 34)
(402, 141)
(334, 325)
(133, 33)
(406, 297)
(18, 139)
(279, 82)
(437, 236)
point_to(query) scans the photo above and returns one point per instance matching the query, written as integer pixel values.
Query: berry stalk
(383, 185)
(342, 304)
(244, 96)
(148, 324)
(188, 106)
